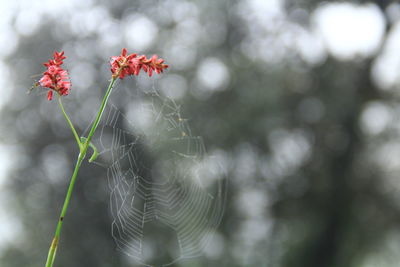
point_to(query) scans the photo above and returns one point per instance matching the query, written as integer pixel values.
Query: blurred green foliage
(308, 185)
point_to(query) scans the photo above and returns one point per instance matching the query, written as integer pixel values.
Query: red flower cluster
(126, 65)
(55, 77)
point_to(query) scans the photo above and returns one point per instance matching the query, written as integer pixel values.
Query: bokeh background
(299, 98)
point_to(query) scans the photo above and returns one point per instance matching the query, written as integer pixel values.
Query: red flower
(55, 77)
(154, 64)
(126, 65)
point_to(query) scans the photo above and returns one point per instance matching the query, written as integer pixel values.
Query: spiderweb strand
(154, 171)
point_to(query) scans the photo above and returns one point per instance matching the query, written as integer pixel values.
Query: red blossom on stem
(55, 77)
(126, 65)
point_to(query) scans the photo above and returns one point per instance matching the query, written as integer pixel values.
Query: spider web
(167, 195)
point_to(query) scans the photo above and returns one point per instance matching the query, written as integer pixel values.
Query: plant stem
(53, 247)
(69, 121)
(83, 149)
(100, 113)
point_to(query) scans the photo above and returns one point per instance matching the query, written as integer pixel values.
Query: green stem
(102, 107)
(83, 149)
(54, 244)
(69, 121)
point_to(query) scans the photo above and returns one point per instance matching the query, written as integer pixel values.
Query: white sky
(350, 30)
(344, 30)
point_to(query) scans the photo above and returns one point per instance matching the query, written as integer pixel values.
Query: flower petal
(50, 95)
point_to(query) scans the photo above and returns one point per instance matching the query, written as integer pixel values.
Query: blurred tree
(304, 185)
